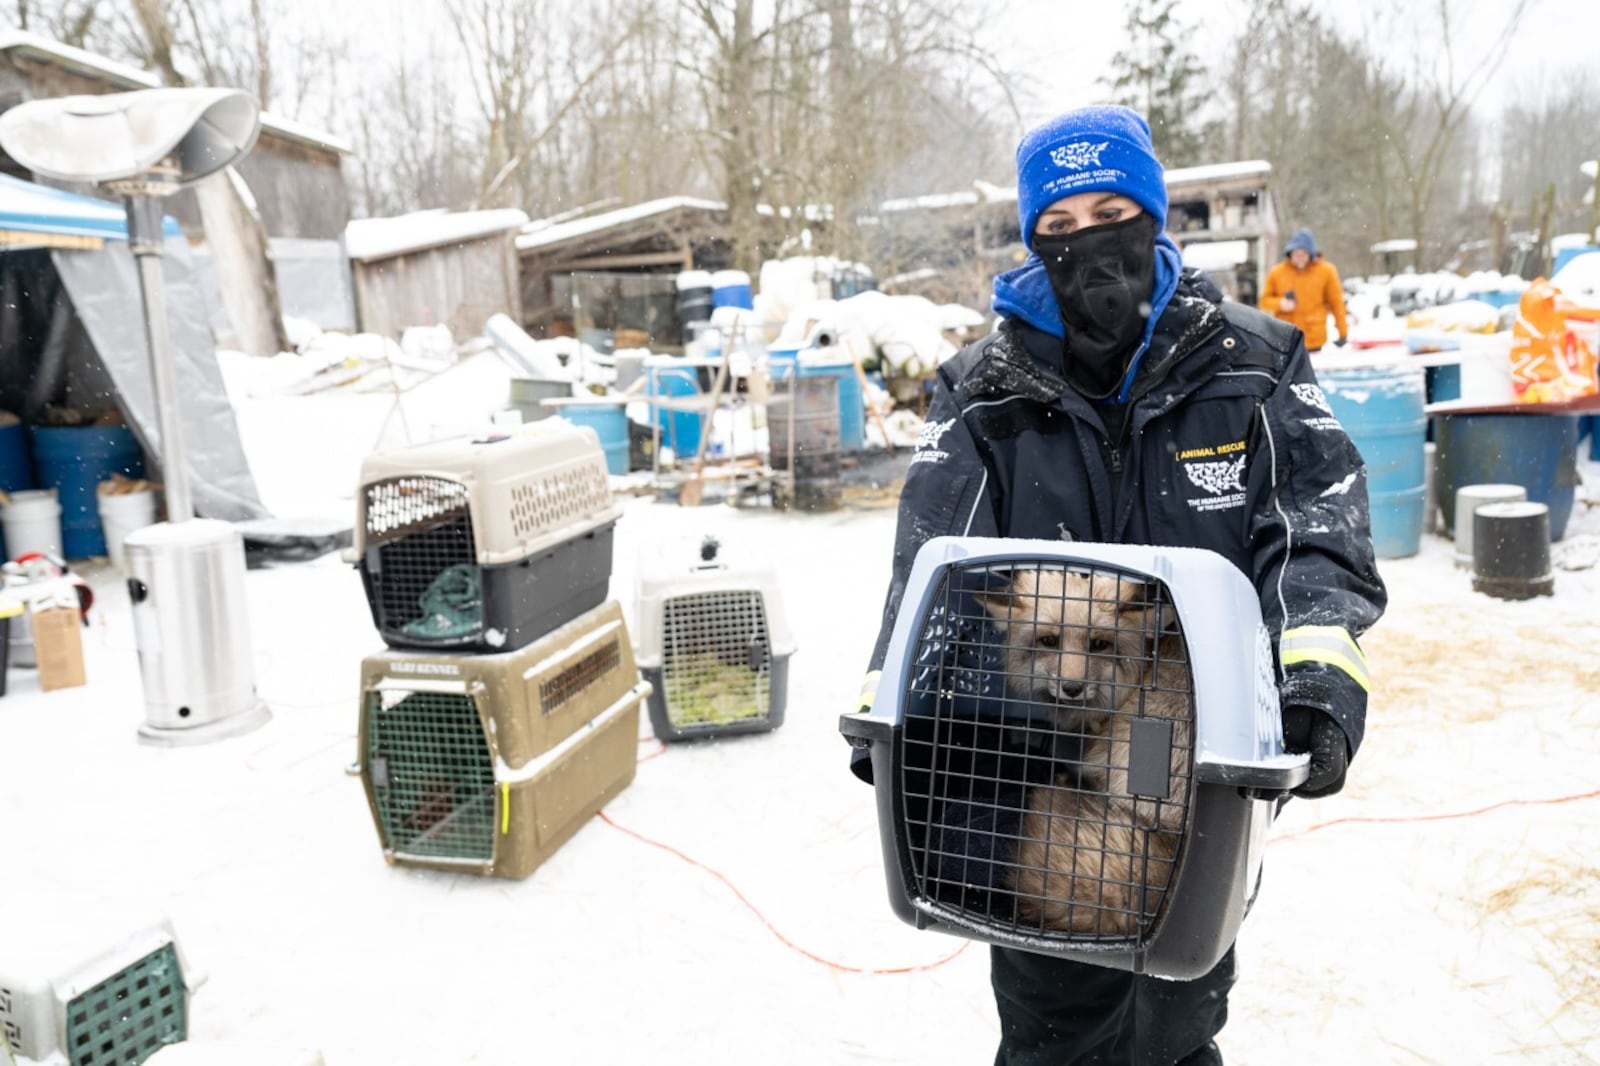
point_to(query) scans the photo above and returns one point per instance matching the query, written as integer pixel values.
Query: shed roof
(543, 235)
(367, 239)
(129, 77)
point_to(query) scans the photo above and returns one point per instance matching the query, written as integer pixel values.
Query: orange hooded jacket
(1317, 291)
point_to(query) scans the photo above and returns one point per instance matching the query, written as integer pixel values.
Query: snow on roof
(379, 238)
(1218, 171)
(1216, 255)
(933, 202)
(543, 233)
(131, 77)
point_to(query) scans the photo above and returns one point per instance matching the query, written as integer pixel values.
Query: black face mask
(1102, 277)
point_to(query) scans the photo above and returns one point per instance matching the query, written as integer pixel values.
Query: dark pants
(1054, 1012)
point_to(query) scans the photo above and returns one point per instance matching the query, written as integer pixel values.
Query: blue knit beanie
(1092, 149)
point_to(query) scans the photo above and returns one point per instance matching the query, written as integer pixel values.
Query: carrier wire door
(92, 989)
(714, 642)
(1074, 747)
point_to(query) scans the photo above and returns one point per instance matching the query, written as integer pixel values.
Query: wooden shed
(451, 267)
(658, 236)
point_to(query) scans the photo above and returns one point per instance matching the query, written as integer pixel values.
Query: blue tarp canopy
(29, 208)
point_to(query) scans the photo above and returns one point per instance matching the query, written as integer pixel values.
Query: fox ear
(996, 595)
(1142, 599)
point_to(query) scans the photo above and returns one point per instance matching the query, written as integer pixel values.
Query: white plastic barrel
(120, 514)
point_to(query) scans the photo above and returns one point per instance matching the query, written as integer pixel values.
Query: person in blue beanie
(1120, 400)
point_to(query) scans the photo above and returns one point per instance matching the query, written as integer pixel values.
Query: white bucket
(123, 512)
(32, 523)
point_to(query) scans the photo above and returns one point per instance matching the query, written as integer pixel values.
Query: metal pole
(144, 239)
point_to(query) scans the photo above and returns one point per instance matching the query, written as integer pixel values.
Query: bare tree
(1419, 124)
(233, 227)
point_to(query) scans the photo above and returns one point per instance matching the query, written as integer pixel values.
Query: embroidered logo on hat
(1078, 154)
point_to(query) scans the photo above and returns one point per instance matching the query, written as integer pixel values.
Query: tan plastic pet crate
(93, 989)
(488, 763)
(485, 543)
(1076, 749)
(713, 640)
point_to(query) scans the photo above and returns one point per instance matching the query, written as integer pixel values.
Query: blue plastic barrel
(680, 430)
(610, 421)
(73, 460)
(1382, 410)
(1537, 451)
(731, 288)
(16, 465)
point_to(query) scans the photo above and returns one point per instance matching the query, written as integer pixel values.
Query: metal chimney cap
(118, 136)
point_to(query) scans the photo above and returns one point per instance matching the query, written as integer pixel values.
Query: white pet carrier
(713, 641)
(1076, 748)
(93, 989)
(488, 763)
(485, 543)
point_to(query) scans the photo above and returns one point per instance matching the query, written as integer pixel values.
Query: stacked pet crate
(1076, 748)
(506, 709)
(713, 641)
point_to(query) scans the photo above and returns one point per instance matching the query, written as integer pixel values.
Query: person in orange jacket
(1303, 288)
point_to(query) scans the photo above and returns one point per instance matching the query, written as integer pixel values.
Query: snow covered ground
(731, 908)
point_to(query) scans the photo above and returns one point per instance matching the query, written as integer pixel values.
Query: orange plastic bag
(1553, 343)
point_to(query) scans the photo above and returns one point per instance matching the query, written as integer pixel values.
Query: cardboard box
(58, 647)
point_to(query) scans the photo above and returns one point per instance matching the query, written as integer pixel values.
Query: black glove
(1339, 343)
(1308, 730)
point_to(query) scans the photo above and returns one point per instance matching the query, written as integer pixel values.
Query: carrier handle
(1262, 780)
(861, 728)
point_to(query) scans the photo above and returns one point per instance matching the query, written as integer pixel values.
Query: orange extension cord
(1353, 820)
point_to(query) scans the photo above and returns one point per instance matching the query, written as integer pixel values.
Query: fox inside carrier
(1075, 748)
(488, 763)
(96, 990)
(485, 543)
(713, 641)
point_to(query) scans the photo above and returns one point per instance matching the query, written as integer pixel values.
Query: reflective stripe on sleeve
(869, 689)
(1325, 644)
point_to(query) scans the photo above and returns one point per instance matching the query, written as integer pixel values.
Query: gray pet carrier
(98, 990)
(713, 641)
(485, 543)
(1075, 749)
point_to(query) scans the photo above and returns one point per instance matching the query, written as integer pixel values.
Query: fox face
(1060, 640)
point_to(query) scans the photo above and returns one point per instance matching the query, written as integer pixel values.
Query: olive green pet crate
(485, 543)
(1076, 750)
(488, 763)
(713, 640)
(91, 989)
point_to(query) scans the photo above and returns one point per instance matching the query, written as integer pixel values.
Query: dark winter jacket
(1227, 444)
